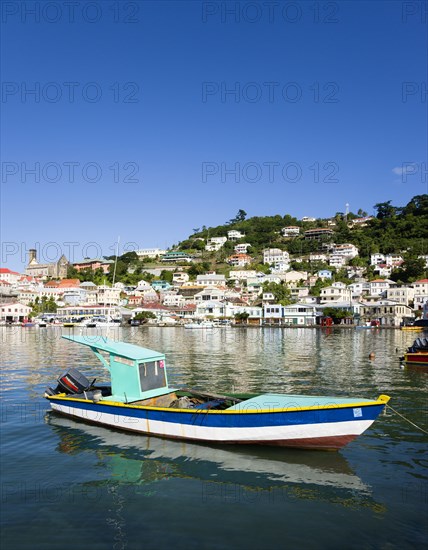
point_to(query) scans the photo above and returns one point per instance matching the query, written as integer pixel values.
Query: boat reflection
(136, 459)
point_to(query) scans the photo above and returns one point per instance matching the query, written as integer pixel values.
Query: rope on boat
(409, 421)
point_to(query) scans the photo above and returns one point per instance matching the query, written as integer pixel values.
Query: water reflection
(139, 460)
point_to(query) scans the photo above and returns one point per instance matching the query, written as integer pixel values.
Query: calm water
(70, 485)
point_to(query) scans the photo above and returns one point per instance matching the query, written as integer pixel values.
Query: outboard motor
(71, 382)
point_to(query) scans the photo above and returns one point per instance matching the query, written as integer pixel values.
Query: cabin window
(152, 375)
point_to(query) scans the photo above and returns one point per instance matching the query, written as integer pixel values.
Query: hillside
(394, 229)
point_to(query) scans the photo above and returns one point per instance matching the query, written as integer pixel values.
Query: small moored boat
(202, 325)
(139, 399)
(416, 355)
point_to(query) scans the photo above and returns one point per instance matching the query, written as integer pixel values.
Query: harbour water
(66, 484)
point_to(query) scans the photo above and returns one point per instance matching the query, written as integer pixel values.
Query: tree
(385, 210)
(242, 317)
(412, 268)
(280, 291)
(240, 217)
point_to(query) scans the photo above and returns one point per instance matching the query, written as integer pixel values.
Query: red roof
(69, 283)
(6, 270)
(4, 282)
(422, 281)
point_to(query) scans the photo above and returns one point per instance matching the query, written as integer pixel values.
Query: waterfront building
(389, 313)
(13, 312)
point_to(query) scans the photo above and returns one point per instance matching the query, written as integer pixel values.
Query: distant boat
(139, 399)
(202, 325)
(370, 324)
(420, 324)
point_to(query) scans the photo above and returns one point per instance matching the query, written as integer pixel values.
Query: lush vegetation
(44, 305)
(394, 229)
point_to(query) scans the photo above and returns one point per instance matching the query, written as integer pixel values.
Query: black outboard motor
(71, 382)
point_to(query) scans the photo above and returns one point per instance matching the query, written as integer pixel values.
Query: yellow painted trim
(381, 400)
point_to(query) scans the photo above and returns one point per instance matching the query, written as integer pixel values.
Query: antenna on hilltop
(346, 211)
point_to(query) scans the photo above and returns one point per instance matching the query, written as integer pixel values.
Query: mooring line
(409, 421)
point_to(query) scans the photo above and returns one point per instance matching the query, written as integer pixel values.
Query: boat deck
(279, 401)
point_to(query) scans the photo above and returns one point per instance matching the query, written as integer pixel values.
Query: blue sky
(149, 119)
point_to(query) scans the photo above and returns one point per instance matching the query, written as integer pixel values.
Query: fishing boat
(416, 355)
(139, 399)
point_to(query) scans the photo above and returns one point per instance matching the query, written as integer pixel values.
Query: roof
(6, 270)
(422, 281)
(130, 351)
(69, 283)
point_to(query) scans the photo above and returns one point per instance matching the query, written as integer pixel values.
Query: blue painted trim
(238, 420)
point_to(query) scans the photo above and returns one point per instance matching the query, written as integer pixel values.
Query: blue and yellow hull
(307, 423)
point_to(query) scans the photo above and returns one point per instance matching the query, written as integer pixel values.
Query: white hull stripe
(221, 434)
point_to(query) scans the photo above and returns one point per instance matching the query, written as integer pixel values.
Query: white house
(173, 300)
(290, 231)
(215, 243)
(376, 259)
(421, 286)
(14, 312)
(393, 259)
(419, 301)
(11, 277)
(348, 250)
(106, 295)
(358, 289)
(209, 294)
(234, 235)
(308, 219)
(401, 294)
(211, 308)
(211, 279)
(242, 248)
(337, 261)
(280, 267)
(318, 258)
(337, 292)
(294, 314)
(150, 252)
(379, 286)
(295, 276)
(273, 255)
(241, 274)
(179, 278)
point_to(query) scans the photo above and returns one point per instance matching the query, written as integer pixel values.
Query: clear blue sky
(329, 109)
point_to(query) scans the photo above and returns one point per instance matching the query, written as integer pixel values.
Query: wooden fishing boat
(139, 399)
(416, 355)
